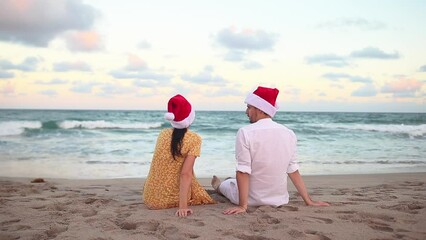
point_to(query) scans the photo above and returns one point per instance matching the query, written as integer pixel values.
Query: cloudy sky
(108, 54)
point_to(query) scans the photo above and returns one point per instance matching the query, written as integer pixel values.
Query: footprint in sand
(98, 201)
(89, 213)
(363, 200)
(134, 205)
(9, 236)
(411, 184)
(55, 229)
(379, 226)
(59, 195)
(322, 220)
(191, 236)
(251, 237)
(15, 228)
(8, 222)
(374, 221)
(128, 225)
(377, 216)
(407, 207)
(123, 215)
(195, 222)
(347, 215)
(151, 226)
(342, 191)
(263, 209)
(146, 226)
(265, 218)
(170, 232)
(288, 208)
(295, 233)
(311, 234)
(346, 212)
(345, 203)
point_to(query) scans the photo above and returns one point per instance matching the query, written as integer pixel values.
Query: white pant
(229, 189)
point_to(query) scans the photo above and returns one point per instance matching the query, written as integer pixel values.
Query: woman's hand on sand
(183, 212)
(235, 210)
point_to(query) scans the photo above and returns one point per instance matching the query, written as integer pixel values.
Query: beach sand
(378, 206)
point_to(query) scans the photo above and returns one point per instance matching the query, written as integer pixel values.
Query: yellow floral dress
(161, 189)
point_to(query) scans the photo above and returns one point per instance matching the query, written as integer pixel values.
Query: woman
(171, 182)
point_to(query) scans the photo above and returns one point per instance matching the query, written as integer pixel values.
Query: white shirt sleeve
(242, 152)
(293, 165)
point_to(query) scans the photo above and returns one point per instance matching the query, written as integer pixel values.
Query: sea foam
(101, 124)
(410, 130)
(11, 128)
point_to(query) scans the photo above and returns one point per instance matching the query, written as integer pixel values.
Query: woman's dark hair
(176, 144)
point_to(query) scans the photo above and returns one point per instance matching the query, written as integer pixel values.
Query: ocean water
(93, 144)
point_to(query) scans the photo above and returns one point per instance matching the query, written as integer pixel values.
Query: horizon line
(200, 110)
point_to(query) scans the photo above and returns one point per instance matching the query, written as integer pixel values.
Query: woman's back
(161, 189)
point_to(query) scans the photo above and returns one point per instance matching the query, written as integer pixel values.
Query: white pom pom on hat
(169, 116)
(264, 99)
(180, 112)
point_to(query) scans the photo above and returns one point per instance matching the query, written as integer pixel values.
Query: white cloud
(252, 65)
(29, 64)
(235, 56)
(135, 63)
(367, 90)
(148, 75)
(144, 44)
(52, 82)
(352, 78)
(402, 87)
(83, 87)
(71, 66)
(360, 23)
(49, 93)
(331, 60)
(205, 77)
(84, 41)
(38, 22)
(246, 39)
(374, 53)
(5, 74)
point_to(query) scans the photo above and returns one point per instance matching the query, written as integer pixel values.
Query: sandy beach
(378, 206)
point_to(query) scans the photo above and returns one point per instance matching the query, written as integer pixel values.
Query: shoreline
(363, 206)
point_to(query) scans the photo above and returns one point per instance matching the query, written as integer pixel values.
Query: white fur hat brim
(185, 123)
(260, 103)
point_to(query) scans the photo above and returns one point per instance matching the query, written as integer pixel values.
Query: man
(266, 153)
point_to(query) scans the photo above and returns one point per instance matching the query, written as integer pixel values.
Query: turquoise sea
(92, 144)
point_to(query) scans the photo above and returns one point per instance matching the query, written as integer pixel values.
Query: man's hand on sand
(318, 204)
(235, 210)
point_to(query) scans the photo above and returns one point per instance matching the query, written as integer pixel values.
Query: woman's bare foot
(216, 183)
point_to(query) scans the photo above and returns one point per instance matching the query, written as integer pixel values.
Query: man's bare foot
(216, 183)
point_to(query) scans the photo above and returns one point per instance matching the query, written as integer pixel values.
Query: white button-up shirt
(267, 151)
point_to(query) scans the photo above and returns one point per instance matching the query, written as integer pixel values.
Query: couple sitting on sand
(265, 152)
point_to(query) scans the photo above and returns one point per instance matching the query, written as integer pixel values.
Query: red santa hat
(179, 112)
(264, 99)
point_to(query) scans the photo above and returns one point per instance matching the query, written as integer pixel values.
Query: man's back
(266, 150)
(266, 154)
